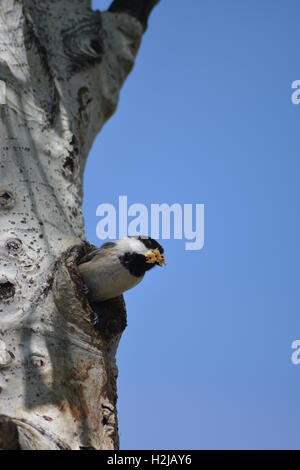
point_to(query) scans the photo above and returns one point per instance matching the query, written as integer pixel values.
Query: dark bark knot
(7, 199)
(36, 361)
(70, 164)
(84, 99)
(7, 289)
(83, 43)
(13, 246)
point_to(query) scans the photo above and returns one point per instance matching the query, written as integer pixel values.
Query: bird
(118, 266)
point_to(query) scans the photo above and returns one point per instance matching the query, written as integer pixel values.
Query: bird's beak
(155, 256)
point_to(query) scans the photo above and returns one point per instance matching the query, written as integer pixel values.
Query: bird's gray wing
(98, 252)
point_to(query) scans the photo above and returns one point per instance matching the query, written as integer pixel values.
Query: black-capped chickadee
(118, 266)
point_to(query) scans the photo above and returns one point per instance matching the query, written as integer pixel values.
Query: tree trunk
(61, 69)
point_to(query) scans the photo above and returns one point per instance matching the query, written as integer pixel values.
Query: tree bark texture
(61, 69)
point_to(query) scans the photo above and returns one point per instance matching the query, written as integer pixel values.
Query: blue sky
(205, 362)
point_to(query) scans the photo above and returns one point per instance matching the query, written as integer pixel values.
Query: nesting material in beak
(159, 257)
(150, 257)
(155, 256)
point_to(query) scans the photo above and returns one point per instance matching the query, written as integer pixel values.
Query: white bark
(61, 69)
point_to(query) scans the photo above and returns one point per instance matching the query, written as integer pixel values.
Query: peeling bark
(61, 69)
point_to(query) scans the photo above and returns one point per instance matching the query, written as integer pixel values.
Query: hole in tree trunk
(6, 199)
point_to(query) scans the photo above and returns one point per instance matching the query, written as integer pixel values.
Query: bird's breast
(107, 280)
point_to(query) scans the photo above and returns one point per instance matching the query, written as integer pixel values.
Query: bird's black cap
(150, 243)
